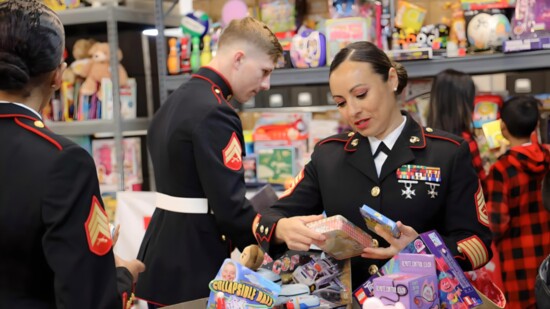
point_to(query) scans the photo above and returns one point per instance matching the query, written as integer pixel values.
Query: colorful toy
(486, 109)
(487, 30)
(376, 303)
(308, 49)
(185, 64)
(373, 218)
(173, 61)
(344, 8)
(206, 54)
(195, 24)
(278, 15)
(531, 19)
(195, 59)
(409, 16)
(100, 68)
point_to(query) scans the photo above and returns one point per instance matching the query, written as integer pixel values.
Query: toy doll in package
(236, 286)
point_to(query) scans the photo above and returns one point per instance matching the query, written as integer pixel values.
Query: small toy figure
(343, 7)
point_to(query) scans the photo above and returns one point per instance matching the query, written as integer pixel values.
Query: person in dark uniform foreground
(196, 146)
(55, 242)
(422, 178)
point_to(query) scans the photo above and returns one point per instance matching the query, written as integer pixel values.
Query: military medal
(433, 186)
(410, 174)
(408, 192)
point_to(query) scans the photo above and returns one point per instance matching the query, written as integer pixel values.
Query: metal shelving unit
(95, 126)
(478, 64)
(111, 16)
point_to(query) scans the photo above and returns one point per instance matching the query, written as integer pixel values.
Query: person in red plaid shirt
(453, 113)
(519, 222)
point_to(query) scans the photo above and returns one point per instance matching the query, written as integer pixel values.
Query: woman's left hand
(408, 234)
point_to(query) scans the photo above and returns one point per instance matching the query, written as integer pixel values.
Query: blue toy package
(373, 217)
(236, 286)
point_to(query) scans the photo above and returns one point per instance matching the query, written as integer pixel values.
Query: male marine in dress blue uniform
(195, 142)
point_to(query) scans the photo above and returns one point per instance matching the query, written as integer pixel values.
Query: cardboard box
(344, 239)
(454, 287)
(414, 291)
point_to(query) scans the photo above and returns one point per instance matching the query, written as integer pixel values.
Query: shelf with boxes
(289, 84)
(121, 27)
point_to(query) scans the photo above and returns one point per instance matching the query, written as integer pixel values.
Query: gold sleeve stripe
(475, 250)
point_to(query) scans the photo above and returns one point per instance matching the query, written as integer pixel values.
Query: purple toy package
(531, 19)
(455, 291)
(414, 291)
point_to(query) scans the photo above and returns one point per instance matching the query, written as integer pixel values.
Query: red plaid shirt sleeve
(476, 157)
(497, 201)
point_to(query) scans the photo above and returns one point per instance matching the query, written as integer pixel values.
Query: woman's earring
(395, 89)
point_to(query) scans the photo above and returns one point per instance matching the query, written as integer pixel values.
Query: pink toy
(376, 303)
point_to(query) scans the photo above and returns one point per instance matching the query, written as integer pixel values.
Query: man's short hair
(252, 31)
(520, 114)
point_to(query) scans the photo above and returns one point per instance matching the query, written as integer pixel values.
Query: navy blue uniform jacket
(196, 146)
(341, 177)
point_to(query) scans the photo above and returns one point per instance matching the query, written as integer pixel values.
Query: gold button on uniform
(429, 130)
(223, 237)
(373, 269)
(350, 134)
(39, 124)
(261, 229)
(375, 191)
(217, 90)
(354, 142)
(375, 243)
(266, 230)
(414, 139)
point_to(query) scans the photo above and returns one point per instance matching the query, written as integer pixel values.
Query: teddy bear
(99, 68)
(81, 64)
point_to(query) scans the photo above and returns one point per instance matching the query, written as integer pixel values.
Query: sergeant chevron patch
(232, 154)
(97, 229)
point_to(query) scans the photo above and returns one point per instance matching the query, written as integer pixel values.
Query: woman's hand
(297, 236)
(408, 234)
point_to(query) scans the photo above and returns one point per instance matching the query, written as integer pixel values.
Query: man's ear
(238, 59)
(57, 77)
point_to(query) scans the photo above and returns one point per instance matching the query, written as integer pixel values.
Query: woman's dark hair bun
(14, 72)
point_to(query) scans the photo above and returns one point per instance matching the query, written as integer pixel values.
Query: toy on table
(376, 303)
(487, 29)
(409, 16)
(100, 68)
(486, 109)
(252, 257)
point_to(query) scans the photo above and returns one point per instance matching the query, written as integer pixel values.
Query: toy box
(414, 291)
(373, 218)
(342, 31)
(344, 239)
(236, 286)
(454, 288)
(323, 276)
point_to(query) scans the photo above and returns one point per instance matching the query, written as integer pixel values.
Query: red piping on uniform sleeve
(51, 140)
(444, 138)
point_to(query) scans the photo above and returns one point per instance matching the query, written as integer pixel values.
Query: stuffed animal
(99, 69)
(252, 257)
(81, 64)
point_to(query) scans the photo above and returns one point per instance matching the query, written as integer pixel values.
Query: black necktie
(381, 148)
